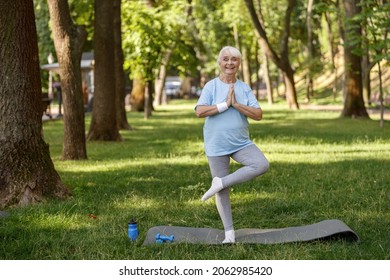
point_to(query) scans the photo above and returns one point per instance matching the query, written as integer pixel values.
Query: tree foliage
(150, 28)
(145, 36)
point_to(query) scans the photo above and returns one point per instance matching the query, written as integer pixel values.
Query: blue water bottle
(132, 230)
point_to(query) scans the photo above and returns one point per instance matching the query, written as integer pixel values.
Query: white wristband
(222, 107)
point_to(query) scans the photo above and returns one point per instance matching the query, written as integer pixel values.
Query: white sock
(230, 237)
(216, 186)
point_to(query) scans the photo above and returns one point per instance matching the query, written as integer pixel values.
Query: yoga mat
(323, 230)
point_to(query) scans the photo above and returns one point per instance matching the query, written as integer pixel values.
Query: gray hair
(230, 50)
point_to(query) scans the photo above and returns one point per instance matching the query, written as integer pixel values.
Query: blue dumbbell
(162, 238)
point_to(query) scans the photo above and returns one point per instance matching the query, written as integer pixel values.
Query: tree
(45, 41)
(328, 12)
(27, 173)
(69, 41)
(104, 121)
(310, 49)
(236, 17)
(376, 16)
(354, 103)
(265, 67)
(159, 83)
(119, 73)
(282, 61)
(144, 42)
(176, 26)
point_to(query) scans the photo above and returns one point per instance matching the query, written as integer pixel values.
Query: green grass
(322, 167)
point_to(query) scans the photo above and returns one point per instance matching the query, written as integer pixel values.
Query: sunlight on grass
(61, 222)
(142, 204)
(321, 153)
(124, 164)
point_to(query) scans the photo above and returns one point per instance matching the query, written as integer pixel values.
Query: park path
(373, 113)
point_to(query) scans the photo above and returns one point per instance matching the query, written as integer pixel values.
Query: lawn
(322, 167)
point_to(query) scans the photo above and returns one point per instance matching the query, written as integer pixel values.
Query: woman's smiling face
(229, 64)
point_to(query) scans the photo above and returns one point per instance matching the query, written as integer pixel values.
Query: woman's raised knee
(262, 167)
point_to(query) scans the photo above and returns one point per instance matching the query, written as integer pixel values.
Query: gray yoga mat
(323, 230)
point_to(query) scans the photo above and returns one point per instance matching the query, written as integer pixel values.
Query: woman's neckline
(234, 78)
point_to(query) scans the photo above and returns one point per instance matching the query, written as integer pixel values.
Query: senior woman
(226, 103)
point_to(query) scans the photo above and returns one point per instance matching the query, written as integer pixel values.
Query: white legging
(254, 164)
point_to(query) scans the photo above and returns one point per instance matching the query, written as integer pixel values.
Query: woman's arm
(251, 112)
(203, 111)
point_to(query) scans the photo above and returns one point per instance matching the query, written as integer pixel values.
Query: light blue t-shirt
(227, 132)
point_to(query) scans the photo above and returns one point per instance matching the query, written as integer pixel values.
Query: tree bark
(354, 103)
(120, 93)
(27, 173)
(237, 44)
(267, 80)
(366, 79)
(310, 50)
(148, 100)
(340, 17)
(160, 81)
(246, 71)
(382, 107)
(104, 122)
(282, 61)
(137, 97)
(69, 40)
(333, 52)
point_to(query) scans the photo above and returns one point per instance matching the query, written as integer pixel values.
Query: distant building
(87, 66)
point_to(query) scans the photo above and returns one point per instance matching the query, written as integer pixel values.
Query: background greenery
(322, 168)
(196, 38)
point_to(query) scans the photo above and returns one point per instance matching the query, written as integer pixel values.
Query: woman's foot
(229, 237)
(216, 186)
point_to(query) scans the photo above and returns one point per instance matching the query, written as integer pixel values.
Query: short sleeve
(206, 97)
(252, 101)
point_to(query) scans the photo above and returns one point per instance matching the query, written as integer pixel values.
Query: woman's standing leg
(255, 164)
(219, 167)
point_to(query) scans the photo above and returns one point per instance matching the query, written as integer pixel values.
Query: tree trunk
(265, 65)
(291, 95)
(382, 107)
(160, 81)
(246, 71)
(147, 107)
(104, 123)
(120, 93)
(366, 62)
(333, 52)
(354, 103)
(236, 37)
(310, 50)
(340, 16)
(366, 69)
(27, 173)
(199, 48)
(257, 63)
(137, 96)
(283, 61)
(69, 40)
(267, 80)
